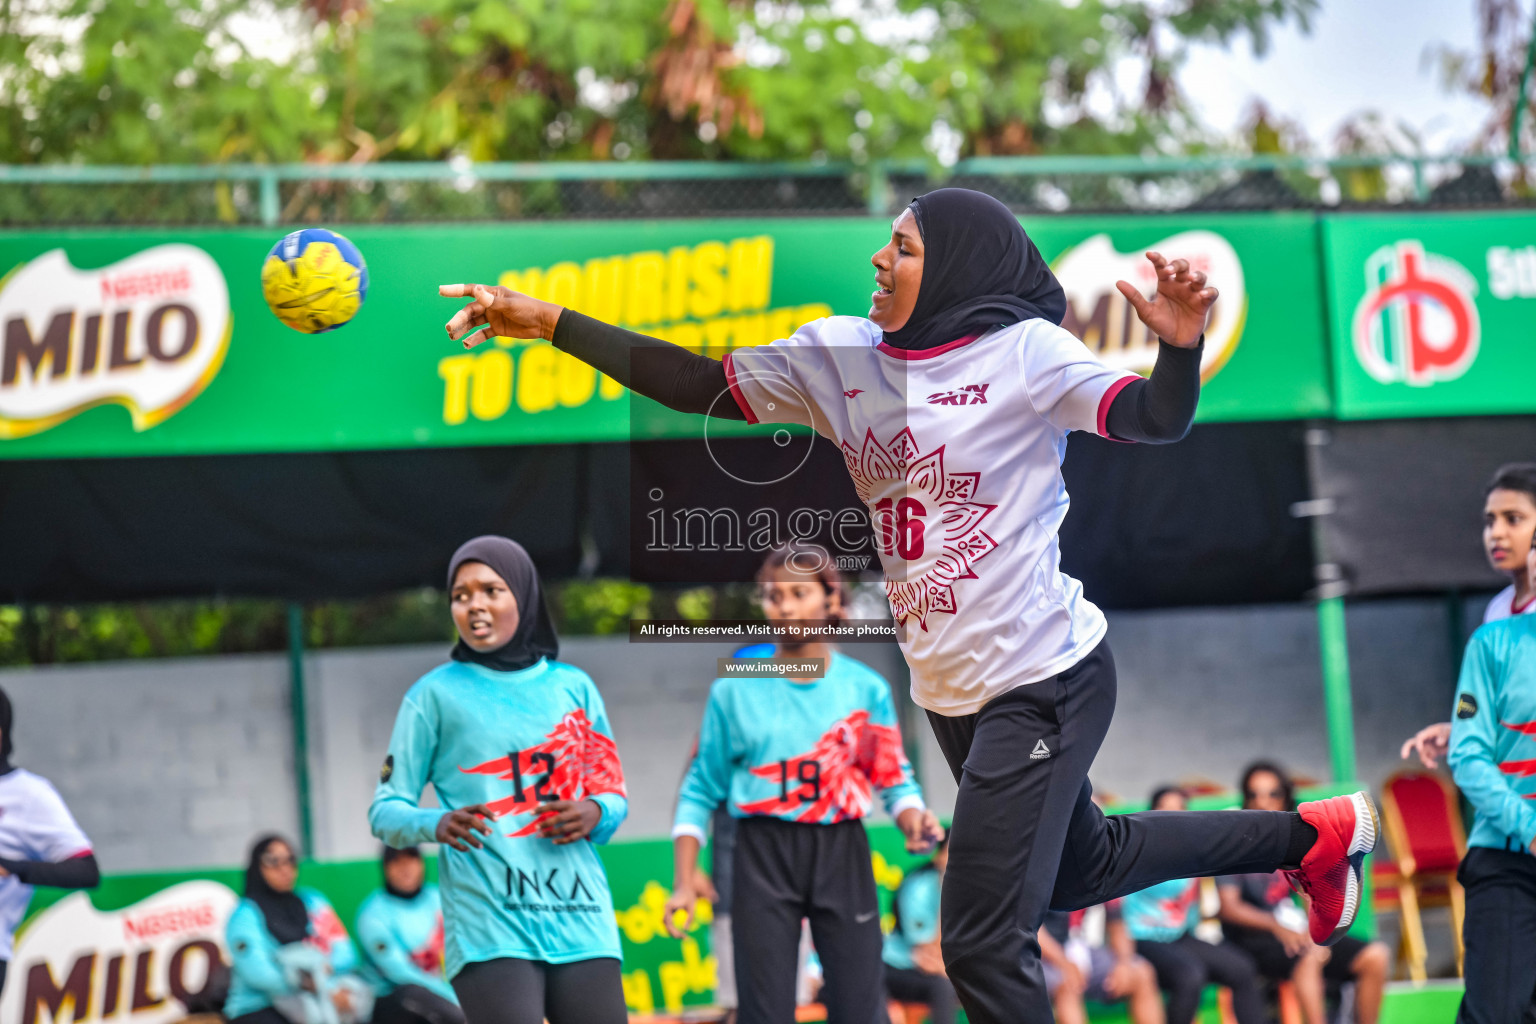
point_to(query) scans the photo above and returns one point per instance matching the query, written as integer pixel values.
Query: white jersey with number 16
(956, 451)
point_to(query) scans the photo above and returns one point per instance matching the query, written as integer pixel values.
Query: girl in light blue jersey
(518, 748)
(797, 761)
(291, 961)
(400, 928)
(1493, 759)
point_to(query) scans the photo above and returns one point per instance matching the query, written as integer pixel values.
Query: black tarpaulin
(1201, 522)
(291, 526)
(1407, 499)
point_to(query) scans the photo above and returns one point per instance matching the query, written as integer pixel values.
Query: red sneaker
(1330, 873)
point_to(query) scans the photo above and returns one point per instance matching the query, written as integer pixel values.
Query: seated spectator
(1259, 915)
(400, 928)
(1162, 920)
(291, 957)
(1079, 970)
(914, 969)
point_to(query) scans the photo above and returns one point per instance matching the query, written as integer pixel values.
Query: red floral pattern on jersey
(852, 758)
(574, 762)
(429, 956)
(963, 541)
(325, 930)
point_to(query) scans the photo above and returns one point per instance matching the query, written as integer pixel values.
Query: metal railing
(70, 194)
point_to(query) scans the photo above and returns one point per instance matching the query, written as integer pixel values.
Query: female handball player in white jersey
(40, 844)
(951, 404)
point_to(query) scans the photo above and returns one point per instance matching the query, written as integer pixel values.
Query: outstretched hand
(1431, 744)
(498, 312)
(1178, 311)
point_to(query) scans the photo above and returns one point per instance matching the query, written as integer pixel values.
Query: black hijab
(391, 854)
(980, 270)
(535, 637)
(5, 733)
(287, 917)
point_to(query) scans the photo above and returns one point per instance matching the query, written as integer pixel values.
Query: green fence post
(1518, 113)
(297, 708)
(879, 189)
(1333, 641)
(271, 205)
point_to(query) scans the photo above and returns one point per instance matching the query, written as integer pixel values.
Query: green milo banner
(1432, 316)
(133, 920)
(159, 342)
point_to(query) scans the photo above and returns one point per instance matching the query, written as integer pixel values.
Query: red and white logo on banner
(1417, 322)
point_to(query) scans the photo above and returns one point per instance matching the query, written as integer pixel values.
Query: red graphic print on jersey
(325, 930)
(430, 956)
(1520, 769)
(837, 775)
(575, 761)
(937, 509)
(1174, 911)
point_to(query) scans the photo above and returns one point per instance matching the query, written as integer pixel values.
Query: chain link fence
(67, 196)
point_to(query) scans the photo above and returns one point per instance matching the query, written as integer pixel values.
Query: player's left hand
(566, 821)
(922, 829)
(1178, 311)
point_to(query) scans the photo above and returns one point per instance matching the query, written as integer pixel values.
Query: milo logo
(1099, 315)
(147, 333)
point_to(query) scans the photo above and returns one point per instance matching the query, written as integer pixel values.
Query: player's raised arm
(667, 373)
(1161, 408)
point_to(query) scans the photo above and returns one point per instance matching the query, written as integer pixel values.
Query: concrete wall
(164, 763)
(180, 763)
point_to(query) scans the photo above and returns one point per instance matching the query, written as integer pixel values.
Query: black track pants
(509, 991)
(1027, 837)
(1185, 966)
(1500, 937)
(786, 872)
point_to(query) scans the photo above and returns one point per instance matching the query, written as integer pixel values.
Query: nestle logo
(970, 394)
(146, 284)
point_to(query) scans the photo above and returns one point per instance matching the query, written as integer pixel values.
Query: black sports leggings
(414, 1004)
(1028, 838)
(508, 991)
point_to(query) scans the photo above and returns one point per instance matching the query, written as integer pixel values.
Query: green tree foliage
(145, 81)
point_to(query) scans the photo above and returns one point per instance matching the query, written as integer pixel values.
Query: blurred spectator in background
(1493, 759)
(1162, 920)
(1089, 956)
(1509, 524)
(40, 844)
(914, 968)
(292, 959)
(1259, 915)
(400, 928)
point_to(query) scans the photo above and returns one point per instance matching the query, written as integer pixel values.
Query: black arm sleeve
(74, 873)
(663, 372)
(1160, 409)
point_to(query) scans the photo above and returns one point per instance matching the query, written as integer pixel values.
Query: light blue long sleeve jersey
(402, 942)
(799, 751)
(512, 741)
(1493, 733)
(1163, 912)
(257, 978)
